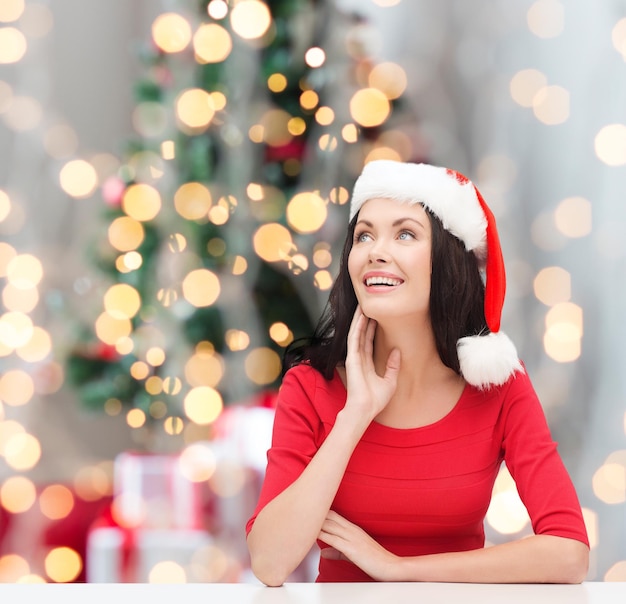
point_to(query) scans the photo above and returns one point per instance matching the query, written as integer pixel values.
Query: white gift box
(155, 556)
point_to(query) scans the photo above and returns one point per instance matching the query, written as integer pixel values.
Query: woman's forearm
(536, 559)
(288, 526)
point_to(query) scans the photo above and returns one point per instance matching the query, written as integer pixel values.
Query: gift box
(155, 528)
(119, 555)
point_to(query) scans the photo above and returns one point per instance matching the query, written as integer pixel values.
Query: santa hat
(489, 359)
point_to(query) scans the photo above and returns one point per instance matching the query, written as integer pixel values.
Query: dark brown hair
(456, 305)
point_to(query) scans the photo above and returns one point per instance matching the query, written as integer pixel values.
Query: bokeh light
(281, 334)
(17, 494)
(203, 405)
(171, 32)
(201, 287)
(262, 365)
(22, 451)
(389, 78)
(136, 418)
(236, 339)
(16, 387)
(195, 108)
(551, 105)
(217, 9)
(92, 483)
(250, 19)
(525, 84)
(309, 99)
(125, 233)
(122, 301)
(617, 572)
(369, 107)
(167, 571)
(275, 124)
(11, 10)
(609, 482)
(5, 205)
(323, 280)
(111, 329)
(12, 568)
(63, 564)
(56, 501)
(315, 57)
(141, 202)
(306, 212)
(546, 18)
(273, 242)
(618, 37)
(197, 462)
(13, 45)
(24, 271)
(277, 82)
(506, 513)
(553, 285)
(212, 43)
(573, 217)
(610, 144)
(78, 178)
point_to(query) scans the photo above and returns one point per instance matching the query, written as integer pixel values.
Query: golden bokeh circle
(273, 242)
(212, 43)
(201, 287)
(369, 107)
(306, 212)
(126, 234)
(203, 405)
(192, 200)
(141, 202)
(171, 32)
(250, 19)
(262, 365)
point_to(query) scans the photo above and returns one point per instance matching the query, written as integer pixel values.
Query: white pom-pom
(488, 360)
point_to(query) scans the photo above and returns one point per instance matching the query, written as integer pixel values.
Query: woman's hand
(367, 391)
(347, 541)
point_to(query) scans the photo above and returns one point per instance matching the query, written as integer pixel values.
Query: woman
(392, 423)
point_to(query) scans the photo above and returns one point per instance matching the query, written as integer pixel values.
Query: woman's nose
(378, 252)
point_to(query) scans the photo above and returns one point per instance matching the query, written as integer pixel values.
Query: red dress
(426, 490)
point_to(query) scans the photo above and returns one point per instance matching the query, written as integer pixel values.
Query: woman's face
(390, 260)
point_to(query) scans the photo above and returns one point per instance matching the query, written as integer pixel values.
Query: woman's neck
(420, 364)
(427, 389)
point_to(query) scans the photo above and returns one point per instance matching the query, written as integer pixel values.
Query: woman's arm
(535, 559)
(286, 528)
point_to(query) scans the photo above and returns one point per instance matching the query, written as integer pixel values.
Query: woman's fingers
(368, 340)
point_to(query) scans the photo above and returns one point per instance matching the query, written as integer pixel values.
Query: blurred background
(174, 179)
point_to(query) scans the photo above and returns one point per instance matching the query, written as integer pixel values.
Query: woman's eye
(405, 235)
(361, 237)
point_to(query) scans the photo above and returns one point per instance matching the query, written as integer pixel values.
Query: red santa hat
(488, 359)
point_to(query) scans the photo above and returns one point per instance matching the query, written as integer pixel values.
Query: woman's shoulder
(311, 378)
(325, 395)
(516, 396)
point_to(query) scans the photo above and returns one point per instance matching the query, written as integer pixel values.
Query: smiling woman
(399, 411)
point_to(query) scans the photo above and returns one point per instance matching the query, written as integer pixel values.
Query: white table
(315, 593)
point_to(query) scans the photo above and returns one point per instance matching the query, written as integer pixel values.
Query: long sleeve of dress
(531, 456)
(296, 436)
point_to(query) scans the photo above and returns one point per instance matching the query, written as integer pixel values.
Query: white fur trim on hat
(453, 202)
(487, 360)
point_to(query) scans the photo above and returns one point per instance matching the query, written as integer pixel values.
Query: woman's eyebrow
(395, 223)
(401, 220)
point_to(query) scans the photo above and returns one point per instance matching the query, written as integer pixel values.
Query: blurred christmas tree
(253, 119)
